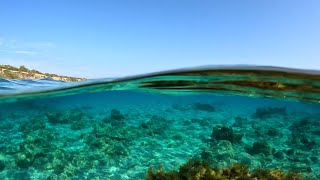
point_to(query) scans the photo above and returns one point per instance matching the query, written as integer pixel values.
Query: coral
(262, 113)
(203, 107)
(226, 133)
(199, 170)
(261, 147)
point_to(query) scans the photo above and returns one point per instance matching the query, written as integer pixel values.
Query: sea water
(263, 118)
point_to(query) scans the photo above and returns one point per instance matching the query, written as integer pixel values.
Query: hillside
(11, 72)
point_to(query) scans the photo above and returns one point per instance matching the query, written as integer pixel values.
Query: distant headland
(11, 72)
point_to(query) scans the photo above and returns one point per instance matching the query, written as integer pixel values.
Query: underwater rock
(221, 151)
(116, 115)
(303, 140)
(116, 118)
(2, 165)
(33, 125)
(279, 155)
(77, 125)
(65, 117)
(52, 177)
(305, 125)
(156, 125)
(262, 113)
(202, 122)
(203, 107)
(240, 122)
(56, 118)
(273, 132)
(290, 152)
(21, 175)
(180, 107)
(226, 133)
(261, 148)
(12, 149)
(24, 160)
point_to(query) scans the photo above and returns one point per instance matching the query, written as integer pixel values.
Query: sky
(112, 38)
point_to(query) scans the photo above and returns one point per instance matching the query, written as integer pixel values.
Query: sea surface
(261, 117)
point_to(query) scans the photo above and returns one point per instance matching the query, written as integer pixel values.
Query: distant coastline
(11, 72)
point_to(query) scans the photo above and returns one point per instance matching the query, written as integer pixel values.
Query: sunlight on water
(118, 129)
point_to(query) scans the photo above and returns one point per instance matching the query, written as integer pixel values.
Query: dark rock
(179, 107)
(262, 113)
(273, 132)
(65, 117)
(116, 115)
(56, 118)
(116, 118)
(279, 155)
(201, 122)
(156, 125)
(307, 142)
(12, 149)
(261, 148)
(2, 165)
(240, 122)
(203, 107)
(77, 125)
(144, 125)
(314, 159)
(24, 160)
(226, 133)
(304, 125)
(259, 133)
(290, 152)
(217, 152)
(33, 125)
(52, 177)
(21, 175)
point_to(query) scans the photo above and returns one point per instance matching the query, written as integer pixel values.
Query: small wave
(253, 81)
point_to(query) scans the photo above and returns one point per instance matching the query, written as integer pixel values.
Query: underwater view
(197, 123)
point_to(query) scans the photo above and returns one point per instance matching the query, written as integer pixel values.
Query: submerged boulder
(33, 125)
(203, 107)
(226, 133)
(220, 151)
(24, 160)
(116, 118)
(65, 117)
(2, 165)
(262, 113)
(261, 148)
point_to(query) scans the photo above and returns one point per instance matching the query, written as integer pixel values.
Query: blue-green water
(118, 128)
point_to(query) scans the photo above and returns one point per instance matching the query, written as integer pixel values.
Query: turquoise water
(261, 117)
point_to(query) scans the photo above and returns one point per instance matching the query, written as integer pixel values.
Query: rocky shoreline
(10, 72)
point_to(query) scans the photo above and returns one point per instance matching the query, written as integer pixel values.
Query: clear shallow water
(117, 128)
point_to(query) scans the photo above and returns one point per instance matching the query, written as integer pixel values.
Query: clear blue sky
(110, 38)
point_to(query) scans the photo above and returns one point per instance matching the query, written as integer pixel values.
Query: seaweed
(201, 170)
